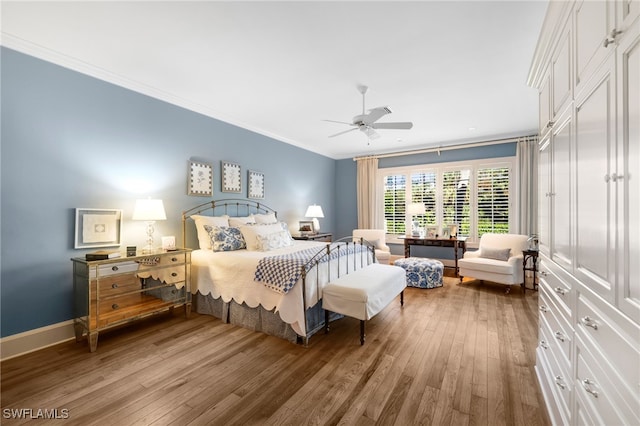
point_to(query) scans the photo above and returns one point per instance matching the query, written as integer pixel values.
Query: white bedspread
(230, 276)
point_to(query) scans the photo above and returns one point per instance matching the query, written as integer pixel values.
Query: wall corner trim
(36, 339)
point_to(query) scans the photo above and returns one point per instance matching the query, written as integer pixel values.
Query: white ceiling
(456, 69)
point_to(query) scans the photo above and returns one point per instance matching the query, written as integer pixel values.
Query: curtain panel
(367, 198)
(527, 175)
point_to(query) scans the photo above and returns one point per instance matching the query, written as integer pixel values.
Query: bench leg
(326, 321)
(402, 298)
(361, 332)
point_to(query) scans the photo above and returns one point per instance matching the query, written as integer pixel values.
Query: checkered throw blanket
(280, 273)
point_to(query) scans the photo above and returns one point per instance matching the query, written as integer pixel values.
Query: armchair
(498, 259)
(377, 238)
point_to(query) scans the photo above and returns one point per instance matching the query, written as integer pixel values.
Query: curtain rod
(445, 148)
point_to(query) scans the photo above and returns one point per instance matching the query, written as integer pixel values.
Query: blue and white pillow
(225, 238)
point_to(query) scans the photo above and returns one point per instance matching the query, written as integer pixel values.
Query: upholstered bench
(363, 293)
(421, 272)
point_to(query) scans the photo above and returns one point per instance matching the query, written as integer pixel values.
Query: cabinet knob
(611, 38)
(560, 382)
(544, 273)
(607, 178)
(115, 306)
(561, 291)
(543, 344)
(550, 124)
(543, 308)
(174, 274)
(615, 177)
(586, 384)
(559, 336)
(114, 285)
(114, 268)
(174, 259)
(589, 322)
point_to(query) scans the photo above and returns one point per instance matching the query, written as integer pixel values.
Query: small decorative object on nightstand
(112, 292)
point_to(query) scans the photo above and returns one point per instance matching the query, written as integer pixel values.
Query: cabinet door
(626, 13)
(560, 66)
(595, 192)
(544, 189)
(561, 180)
(594, 22)
(544, 98)
(628, 186)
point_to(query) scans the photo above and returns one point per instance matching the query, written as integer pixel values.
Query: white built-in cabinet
(587, 71)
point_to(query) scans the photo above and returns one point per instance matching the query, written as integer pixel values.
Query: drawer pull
(561, 291)
(589, 322)
(174, 274)
(543, 344)
(114, 268)
(560, 382)
(543, 308)
(544, 273)
(114, 285)
(174, 259)
(560, 336)
(115, 306)
(586, 384)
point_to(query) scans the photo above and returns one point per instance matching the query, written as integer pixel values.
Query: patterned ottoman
(421, 272)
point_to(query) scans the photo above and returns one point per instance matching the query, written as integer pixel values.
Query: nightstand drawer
(114, 269)
(118, 284)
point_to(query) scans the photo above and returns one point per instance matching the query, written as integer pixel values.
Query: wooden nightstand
(112, 292)
(326, 237)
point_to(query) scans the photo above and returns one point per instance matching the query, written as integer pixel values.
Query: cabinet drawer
(118, 284)
(550, 344)
(560, 330)
(560, 285)
(172, 259)
(167, 275)
(113, 269)
(600, 398)
(555, 382)
(604, 328)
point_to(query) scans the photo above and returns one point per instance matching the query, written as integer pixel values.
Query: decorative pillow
(225, 239)
(497, 254)
(204, 242)
(252, 232)
(265, 218)
(239, 221)
(273, 241)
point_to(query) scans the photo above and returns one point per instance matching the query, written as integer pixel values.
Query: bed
(272, 284)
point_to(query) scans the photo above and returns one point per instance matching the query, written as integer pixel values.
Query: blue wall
(69, 140)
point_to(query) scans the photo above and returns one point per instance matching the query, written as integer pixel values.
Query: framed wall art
(98, 228)
(200, 179)
(231, 177)
(255, 187)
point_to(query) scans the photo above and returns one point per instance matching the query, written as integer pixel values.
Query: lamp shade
(415, 208)
(314, 210)
(149, 210)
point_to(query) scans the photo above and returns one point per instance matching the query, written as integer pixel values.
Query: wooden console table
(459, 246)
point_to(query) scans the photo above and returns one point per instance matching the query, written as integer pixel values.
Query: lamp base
(316, 225)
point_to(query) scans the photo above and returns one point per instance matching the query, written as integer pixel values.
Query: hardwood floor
(462, 354)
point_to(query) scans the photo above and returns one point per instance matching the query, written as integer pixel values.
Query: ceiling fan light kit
(367, 122)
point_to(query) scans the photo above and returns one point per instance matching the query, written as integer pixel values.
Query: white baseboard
(33, 340)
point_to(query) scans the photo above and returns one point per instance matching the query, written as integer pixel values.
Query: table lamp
(315, 211)
(149, 210)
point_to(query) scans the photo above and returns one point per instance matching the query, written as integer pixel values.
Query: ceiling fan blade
(341, 122)
(343, 132)
(375, 114)
(397, 125)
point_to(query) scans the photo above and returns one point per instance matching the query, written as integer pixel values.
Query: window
(475, 195)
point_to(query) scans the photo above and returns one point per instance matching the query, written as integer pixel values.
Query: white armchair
(498, 259)
(377, 238)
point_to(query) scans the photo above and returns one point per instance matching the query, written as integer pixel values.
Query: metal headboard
(230, 206)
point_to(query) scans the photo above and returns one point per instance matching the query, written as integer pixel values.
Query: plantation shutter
(423, 190)
(395, 203)
(456, 207)
(492, 185)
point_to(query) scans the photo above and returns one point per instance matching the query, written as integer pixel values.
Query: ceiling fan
(367, 123)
